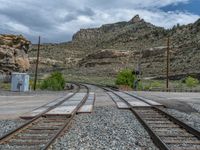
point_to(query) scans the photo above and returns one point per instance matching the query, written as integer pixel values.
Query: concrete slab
(131, 100)
(102, 99)
(78, 95)
(173, 100)
(43, 108)
(34, 113)
(139, 104)
(122, 105)
(86, 109)
(12, 106)
(73, 101)
(153, 102)
(70, 103)
(114, 97)
(52, 103)
(89, 104)
(61, 111)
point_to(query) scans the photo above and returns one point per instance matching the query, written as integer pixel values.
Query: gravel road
(106, 128)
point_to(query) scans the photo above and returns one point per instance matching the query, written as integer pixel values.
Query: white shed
(20, 82)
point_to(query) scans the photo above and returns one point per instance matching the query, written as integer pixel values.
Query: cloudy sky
(58, 20)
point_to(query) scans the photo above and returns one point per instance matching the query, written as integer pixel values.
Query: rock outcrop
(105, 62)
(13, 54)
(46, 61)
(136, 19)
(96, 48)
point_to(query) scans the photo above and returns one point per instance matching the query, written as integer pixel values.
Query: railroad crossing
(50, 121)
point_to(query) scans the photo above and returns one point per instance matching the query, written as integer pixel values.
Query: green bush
(125, 77)
(191, 82)
(55, 82)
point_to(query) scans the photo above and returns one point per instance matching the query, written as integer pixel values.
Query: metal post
(140, 63)
(37, 62)
(167, 71)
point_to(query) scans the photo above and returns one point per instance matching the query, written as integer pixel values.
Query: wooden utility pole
(37, 62)
(167, 68)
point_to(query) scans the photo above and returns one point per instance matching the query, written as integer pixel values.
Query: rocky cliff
(13, 54)
(129, 35)
(147, 45)
(144, 43)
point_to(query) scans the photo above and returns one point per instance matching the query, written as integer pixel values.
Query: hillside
(90, 48)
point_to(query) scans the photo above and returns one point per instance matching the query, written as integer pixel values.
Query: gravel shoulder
(9, 125)
(106, 128)
(190, 118)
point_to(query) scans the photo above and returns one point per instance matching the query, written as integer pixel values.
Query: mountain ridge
(138, 37)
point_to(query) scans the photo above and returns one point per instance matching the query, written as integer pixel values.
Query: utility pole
(138, 69)
(140, 64)
(167, 68)
(37, 62)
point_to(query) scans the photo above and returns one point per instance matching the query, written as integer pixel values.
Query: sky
(57, 20)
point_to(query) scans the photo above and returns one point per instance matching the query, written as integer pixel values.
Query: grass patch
(5, 86)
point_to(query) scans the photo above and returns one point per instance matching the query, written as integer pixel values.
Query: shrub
(125, 77)
(191, 82)
(54, 82)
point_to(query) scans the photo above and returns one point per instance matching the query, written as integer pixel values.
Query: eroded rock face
(136, 19)
(13, 54)
(104, 57)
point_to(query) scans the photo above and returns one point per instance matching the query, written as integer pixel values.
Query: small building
(20, 82)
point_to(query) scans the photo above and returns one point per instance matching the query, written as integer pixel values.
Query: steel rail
(70, 120)
(158, 142)
(177, 121)
(12, 133)
(156, 139)
(35, 118)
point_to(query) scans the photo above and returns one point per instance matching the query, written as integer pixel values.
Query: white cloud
(58, 20)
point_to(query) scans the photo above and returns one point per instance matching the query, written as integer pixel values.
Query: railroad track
(166, 131)
(40, 132)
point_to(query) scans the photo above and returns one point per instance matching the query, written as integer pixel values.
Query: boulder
(14, 54)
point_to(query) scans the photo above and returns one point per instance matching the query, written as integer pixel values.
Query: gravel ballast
(9, 125)
(106, 128)
(191, 118)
